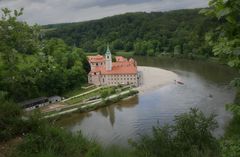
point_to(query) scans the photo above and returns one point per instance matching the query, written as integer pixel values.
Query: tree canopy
(190, 136)
(32, 67)
(144, 33)
(225, 40)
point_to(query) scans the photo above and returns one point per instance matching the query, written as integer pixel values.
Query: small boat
(179, 82)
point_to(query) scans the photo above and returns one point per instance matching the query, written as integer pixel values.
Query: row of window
(116, 83)
(97, 64)
(121, 78)
(117, 76)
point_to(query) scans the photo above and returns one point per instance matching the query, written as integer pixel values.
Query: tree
(177, 50)
(31, 67)
(128, 46)
(190, 136)
(225, 40)
(9, 119)
(126, 31)
(17, 39)
(118, 45)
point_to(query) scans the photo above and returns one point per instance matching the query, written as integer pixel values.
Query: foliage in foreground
(31, 67)
(225, 40)
(190, 136)
(9, 120)
(50, 141)
(39, 137)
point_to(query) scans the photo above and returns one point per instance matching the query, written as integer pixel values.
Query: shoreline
(154, 78)
(94, 105)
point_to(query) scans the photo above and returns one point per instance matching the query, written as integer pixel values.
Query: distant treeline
(176, 32)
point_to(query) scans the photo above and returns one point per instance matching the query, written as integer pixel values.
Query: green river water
(206, 86)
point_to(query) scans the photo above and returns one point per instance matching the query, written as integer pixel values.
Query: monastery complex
(105, 72)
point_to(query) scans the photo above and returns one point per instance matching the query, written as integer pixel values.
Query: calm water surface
(115, 124)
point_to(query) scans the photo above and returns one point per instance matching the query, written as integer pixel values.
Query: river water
(206, 86)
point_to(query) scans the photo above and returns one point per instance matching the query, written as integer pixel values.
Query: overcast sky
(61, 11)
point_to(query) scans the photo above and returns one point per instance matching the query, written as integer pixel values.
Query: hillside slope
(180, 31)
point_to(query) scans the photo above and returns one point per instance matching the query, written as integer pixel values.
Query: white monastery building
(105, 72)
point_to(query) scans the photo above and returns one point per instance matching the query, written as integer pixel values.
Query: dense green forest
(30, 67)
(178, 32)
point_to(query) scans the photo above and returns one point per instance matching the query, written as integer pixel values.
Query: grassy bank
(78, 90)
(93, 94)
(91, 106)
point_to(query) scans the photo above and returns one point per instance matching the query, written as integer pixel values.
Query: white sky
(61, 11)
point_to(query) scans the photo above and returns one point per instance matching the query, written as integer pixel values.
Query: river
(206, 86)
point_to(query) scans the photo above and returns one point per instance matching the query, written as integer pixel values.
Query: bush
(116, 151)
(107, 92)
(104, 94)
(190, 136)
(10, 120)
(55, 142)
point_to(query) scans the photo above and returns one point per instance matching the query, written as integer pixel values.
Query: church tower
(108, 58)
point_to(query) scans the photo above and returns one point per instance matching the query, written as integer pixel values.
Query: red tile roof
(97, 58)
(120, 59)
(120, 67)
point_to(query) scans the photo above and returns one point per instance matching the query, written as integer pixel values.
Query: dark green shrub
(53, 141)
(190, 136)
(10, 120)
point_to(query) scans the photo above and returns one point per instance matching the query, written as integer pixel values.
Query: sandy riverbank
(153, 78)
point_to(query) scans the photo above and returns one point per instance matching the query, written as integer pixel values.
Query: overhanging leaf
(223, 12)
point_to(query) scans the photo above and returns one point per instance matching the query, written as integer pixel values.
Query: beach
(154, 78)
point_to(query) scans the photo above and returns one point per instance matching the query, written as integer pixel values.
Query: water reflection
(106, 112)
(109, 112)
(205, 87)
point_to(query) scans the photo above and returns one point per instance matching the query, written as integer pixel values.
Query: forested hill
(180, 31)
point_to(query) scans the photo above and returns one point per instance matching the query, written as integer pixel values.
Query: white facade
(121, 72)
(116, 79)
